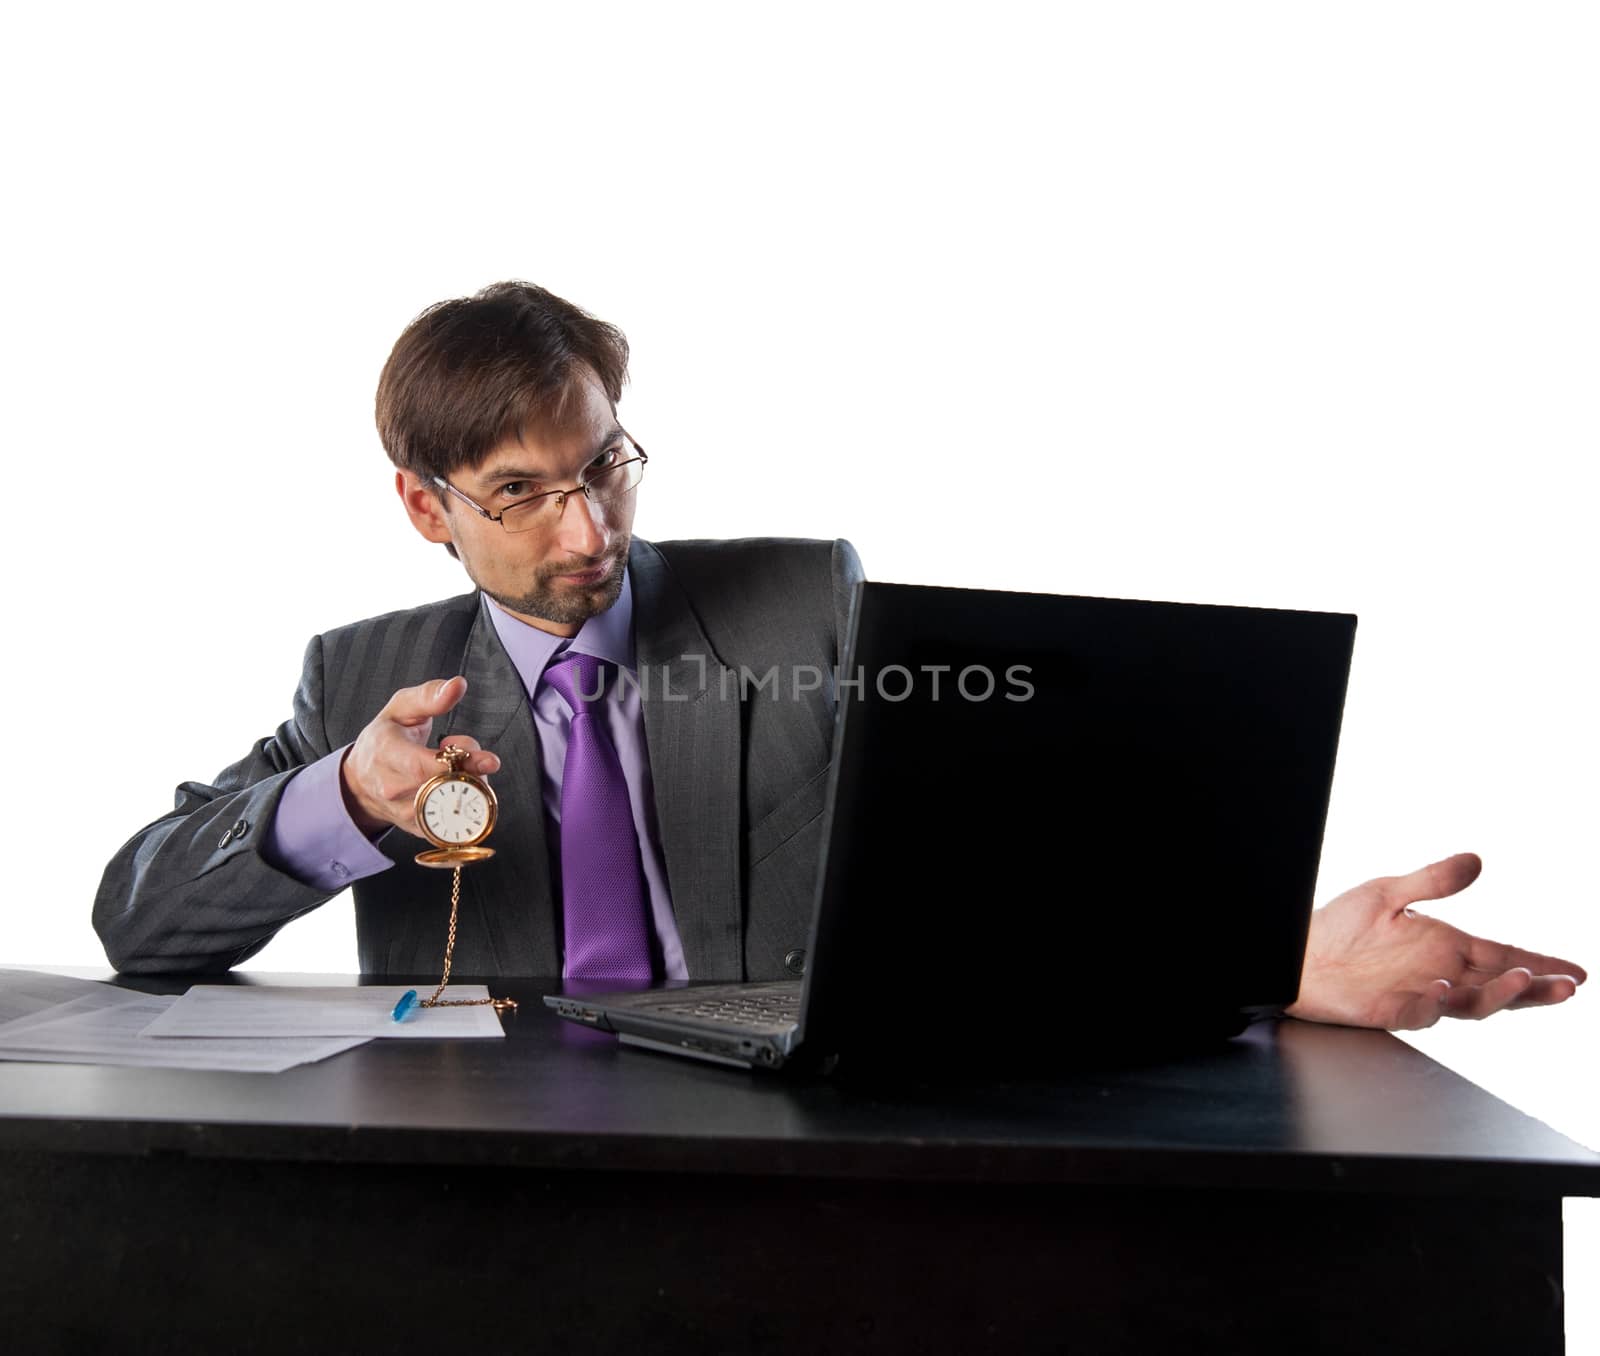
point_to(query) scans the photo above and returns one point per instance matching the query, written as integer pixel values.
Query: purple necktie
(602, 886)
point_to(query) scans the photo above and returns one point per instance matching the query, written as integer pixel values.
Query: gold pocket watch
(456, 811)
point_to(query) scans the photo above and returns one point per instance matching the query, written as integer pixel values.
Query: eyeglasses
(621, 468)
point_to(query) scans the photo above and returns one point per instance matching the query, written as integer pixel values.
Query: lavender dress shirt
(313, 838)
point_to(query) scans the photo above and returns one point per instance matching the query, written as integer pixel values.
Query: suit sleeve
(313, 837)
(847, 572)
(193, 890)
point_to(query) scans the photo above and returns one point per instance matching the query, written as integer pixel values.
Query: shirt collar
(606, 636)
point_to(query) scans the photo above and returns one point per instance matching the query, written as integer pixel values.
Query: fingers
(1477, 1001)
(1496, 957)
(1516, 988)
(482, 763)
(420, 704)
(1416, 1011)
(1545, 990)
(1436, 880)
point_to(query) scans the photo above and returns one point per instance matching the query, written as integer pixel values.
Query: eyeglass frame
(582, 487)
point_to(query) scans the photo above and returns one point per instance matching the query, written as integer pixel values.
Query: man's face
(569, 566)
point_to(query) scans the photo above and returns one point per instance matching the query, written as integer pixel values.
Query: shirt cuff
(312, 836)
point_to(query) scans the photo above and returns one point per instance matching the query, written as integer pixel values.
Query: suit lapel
(511, 892)
(691, 708)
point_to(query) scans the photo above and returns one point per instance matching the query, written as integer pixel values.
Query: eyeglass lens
(603, 488)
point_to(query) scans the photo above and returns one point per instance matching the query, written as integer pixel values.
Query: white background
(1270, 304)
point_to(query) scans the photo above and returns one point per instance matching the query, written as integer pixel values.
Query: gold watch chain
(500, 1004)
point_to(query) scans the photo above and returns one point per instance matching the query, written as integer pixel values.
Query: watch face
(456, 812)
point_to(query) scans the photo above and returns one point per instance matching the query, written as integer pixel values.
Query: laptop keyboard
(762, 1011)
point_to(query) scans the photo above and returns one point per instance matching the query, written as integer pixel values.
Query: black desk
(1301, 1188)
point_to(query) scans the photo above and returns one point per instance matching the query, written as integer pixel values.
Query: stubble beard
(566, 603)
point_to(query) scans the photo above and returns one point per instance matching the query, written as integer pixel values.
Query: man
(660, 815)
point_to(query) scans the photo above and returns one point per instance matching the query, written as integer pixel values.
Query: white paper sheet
(24, 994)
(90, 1032)
(94, 998)
(219, 1010)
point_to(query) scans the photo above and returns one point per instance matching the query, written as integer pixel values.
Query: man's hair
(467, 374)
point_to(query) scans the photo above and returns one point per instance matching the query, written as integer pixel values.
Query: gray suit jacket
(739, 771)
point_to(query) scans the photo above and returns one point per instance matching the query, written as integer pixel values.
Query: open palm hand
(1372, 961)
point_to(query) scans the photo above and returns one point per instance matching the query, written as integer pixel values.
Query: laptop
(1057, 829)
